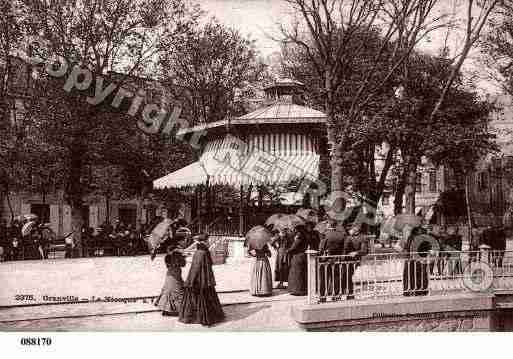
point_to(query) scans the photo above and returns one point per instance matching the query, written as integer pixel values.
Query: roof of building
(286, 82)
(279, 112)
(283, 111)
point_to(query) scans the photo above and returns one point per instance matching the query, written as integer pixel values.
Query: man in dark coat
(200, 301)
(454, 244)
(415, 272)
(313, 237)
(495, 238)
(356, 247)
(334, 243)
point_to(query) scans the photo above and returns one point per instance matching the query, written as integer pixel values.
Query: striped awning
(260, 159)
(191, 175)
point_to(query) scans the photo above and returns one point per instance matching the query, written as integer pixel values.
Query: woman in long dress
(282, 264)
(298, 263)
(170, 298)
(261, 276)
(200, 303)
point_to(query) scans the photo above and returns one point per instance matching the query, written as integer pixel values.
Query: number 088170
(36, 341)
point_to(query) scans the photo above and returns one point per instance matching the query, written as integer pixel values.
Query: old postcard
(320, 165)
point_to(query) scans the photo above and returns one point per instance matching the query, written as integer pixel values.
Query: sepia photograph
(255, 166)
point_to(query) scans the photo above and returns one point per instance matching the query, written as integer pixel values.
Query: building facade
(490, 185)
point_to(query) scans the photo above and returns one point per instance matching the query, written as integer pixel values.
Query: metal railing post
(312, 275)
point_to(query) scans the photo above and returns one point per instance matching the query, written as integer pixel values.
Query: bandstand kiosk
(279, 142)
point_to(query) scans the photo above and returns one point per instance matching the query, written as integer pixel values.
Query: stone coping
(348, 311)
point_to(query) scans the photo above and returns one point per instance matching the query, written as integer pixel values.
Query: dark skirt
(201, 306)
(261, 278)
(281, 267)
(297, 275)
(170, 298)
(415, 278)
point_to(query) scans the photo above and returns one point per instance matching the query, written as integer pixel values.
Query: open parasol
(257, 237)
(159, 234)
(309, 215)
(290, 221)
(29, 226)
(272, 219)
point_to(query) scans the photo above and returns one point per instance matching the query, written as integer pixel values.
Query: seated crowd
(40, 242)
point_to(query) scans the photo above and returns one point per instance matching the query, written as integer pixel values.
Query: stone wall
(439, 322)
(480, 312)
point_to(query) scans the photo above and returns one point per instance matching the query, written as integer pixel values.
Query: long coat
(336, 278)
(200, 302)
(298, 266)
(282, 264)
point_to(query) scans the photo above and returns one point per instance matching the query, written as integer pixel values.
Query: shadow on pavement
(241, 312)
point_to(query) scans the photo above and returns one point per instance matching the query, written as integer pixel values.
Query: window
(432, 181)
(418, 182)
(482, 181)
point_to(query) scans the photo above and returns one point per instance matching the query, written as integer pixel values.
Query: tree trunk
(241, 211)
(107, 209)
(410, 189)
(399, 193)
(469, 207)
(380, 185)
(74, 189)
(9, 204)
(76, 226)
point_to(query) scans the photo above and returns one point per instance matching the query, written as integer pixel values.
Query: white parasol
(159, 234)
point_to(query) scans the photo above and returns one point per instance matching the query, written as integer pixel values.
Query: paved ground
(258, 316)
(125, 278)
(85, 278)
(120, 277)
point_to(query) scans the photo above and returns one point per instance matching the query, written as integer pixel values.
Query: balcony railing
(335, 278)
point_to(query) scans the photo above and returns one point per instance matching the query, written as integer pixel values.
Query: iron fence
(333, 278)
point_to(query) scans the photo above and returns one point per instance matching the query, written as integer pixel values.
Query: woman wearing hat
(281, 267)
(261, 276)
(297, 273)
(170, 298)
(200, 301)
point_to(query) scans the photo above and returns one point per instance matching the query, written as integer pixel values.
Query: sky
(259, 19)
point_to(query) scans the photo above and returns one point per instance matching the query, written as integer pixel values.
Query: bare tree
(333, 33)
(327, 29)
(477, 15)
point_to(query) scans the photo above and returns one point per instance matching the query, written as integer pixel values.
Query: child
(170, 298)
